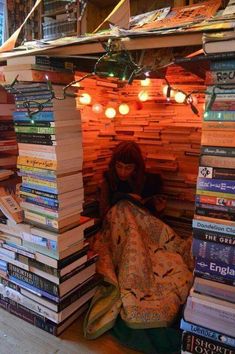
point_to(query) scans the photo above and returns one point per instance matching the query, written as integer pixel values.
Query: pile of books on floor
(209, 314)
(8, 144)
(48, 273)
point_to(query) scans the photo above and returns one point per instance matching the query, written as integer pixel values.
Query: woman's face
(124, 170)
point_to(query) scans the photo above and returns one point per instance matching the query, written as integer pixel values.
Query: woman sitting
(142, 260)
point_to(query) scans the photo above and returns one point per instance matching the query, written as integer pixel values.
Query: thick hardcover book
(207, 333)
(214, 289)
(213, 226)
(196, 344)
(217, 161)
(218, 151)
(216, 314)
(216, 185)
(215, 270)
(38, 320)
(213, 251)
(207, 201)
(215, 214)
(213, 236)
(223, 116)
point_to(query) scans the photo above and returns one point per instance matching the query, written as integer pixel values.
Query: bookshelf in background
(209, 314)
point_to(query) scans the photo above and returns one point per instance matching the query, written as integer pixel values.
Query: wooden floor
(19, 337)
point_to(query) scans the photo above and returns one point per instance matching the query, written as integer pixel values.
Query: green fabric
(163, 340)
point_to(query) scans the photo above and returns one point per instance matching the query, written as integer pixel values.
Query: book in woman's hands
(10, 207)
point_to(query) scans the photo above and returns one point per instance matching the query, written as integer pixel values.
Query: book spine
(196, 345)
(220, 77)
(217, 161)
(216, 173)
(216, 185)
(34, 130)
(213, 251)
(215, 270)
(39, 193)
(41, 116)
(41, 203)
(215, 227)
(225, 204)
(39, 187)
(218, 151)
(207, 333)
(37, 171)
(216, 214)
(28, 315)
(26, 123)
(211, 236)
(33, 279)
(37, 137)
(226, 116)
(222, 65)
(35, 162)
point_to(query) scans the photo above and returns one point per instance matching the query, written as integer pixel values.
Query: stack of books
(209, 314)
(8, 144)
(48, 273)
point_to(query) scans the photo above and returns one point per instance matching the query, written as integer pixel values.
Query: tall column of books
(209, 314)
(47, 272)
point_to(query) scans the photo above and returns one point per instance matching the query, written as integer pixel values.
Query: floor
(20, 337)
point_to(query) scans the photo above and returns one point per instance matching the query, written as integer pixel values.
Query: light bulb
(143, 96)
(145, 82)
(124, 109)
(85, 98)
(97, 108)
(76, 84)
(180, 97)
(164, 91)
(110, 112)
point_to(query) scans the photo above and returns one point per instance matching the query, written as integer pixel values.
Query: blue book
(215, 270)
(216, 185)
(212, 226)
(40, 188)
(41, 116)
(207, 333)
(222, 65)
(213, 251)
(33, 289)
(41, 203)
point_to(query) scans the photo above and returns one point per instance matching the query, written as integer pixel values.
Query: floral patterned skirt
(145, 266)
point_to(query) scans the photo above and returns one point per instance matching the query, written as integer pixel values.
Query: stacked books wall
(168, 134)
(209, 314)
(8, 144)
(48, 274)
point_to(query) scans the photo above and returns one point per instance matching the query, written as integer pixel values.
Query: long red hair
(127, 152)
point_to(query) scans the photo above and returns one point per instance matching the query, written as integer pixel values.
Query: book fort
(59, 123)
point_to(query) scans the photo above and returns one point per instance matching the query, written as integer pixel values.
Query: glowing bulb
(124, 109)
(85, 98)
(143, 96)
(164, 91)
(180, 97)
(97, 108)
(110, 112)
(145, 82)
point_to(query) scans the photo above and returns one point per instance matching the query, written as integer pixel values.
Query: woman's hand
(135, 196)
(160, 203)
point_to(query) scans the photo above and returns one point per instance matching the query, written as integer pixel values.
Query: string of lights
(115, 62)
